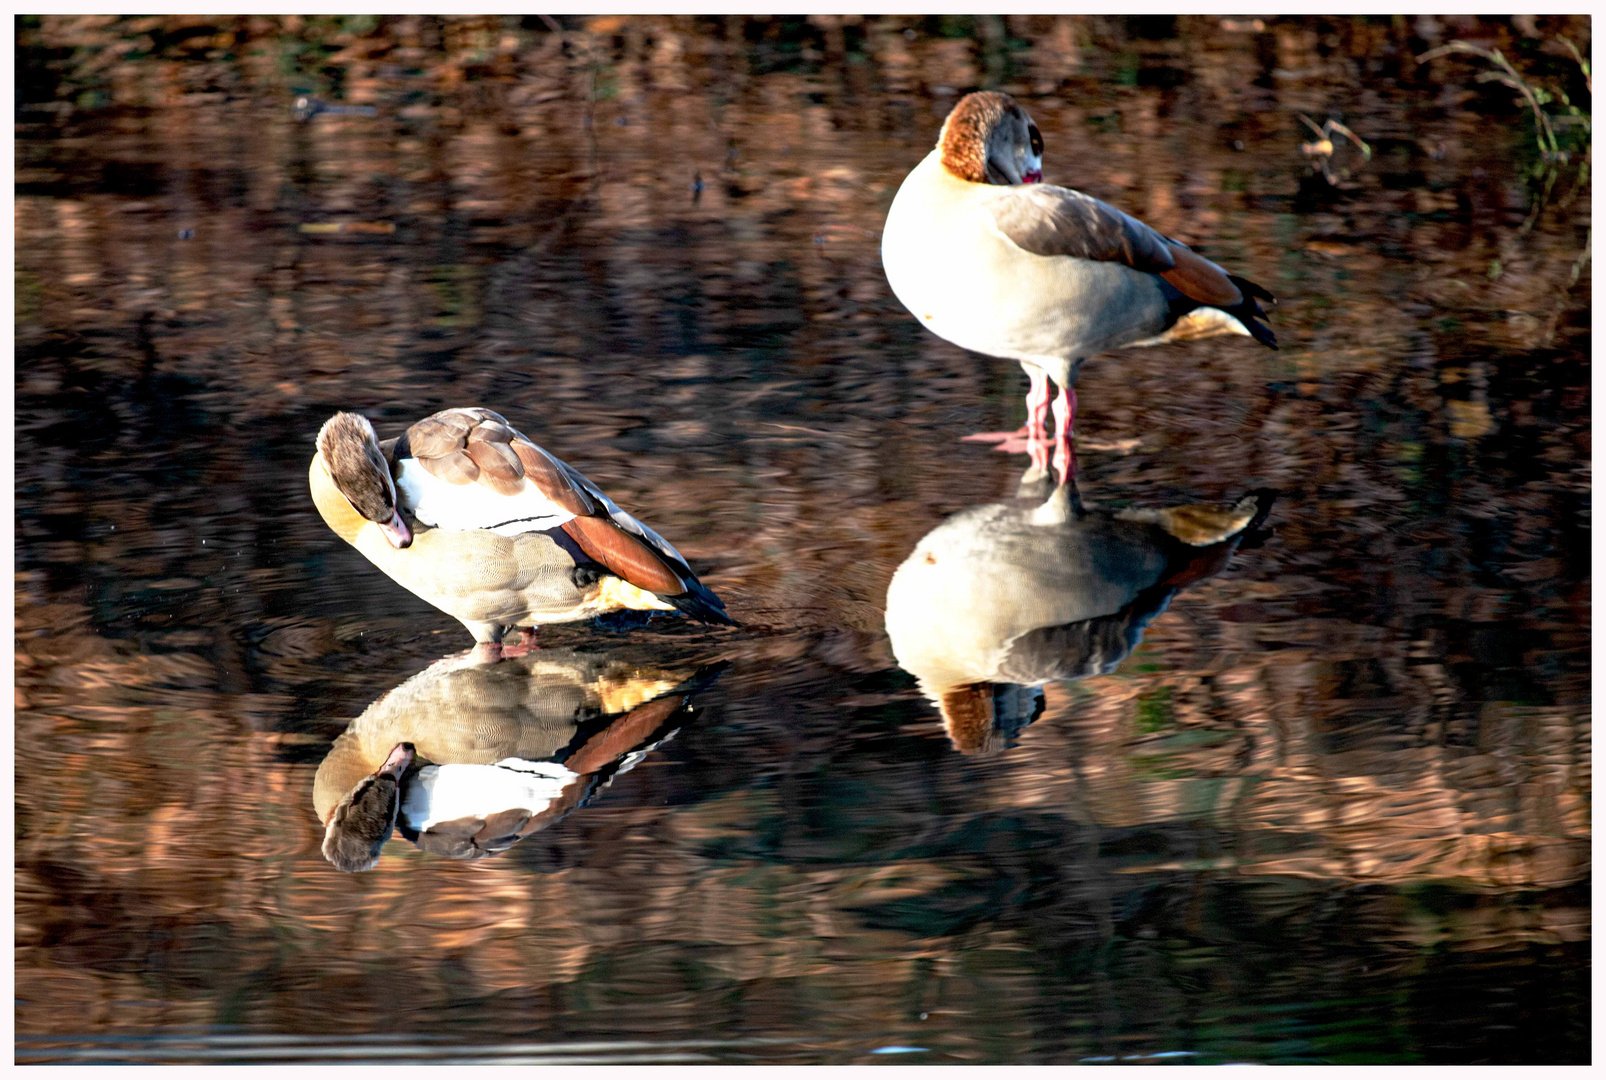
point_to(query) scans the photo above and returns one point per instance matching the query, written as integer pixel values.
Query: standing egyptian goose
(990, 258)
(1002, 598)
(473, 517)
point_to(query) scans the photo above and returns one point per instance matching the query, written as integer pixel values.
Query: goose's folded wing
(615, 538)
(610, 509)
(469, 469)
(1053, 221)
(628, 547)
(624, 734)
(479, 447)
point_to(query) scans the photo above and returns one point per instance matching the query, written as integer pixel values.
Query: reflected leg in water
(489, 652)
(1032, 436)
(1064, 417)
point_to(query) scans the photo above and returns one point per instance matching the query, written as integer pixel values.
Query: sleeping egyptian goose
(1002, 598)
(504, 750)
(476, 519)
(990, 258)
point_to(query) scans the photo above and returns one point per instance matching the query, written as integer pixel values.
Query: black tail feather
(1249, 310)
(1249, 288)
(700, 603)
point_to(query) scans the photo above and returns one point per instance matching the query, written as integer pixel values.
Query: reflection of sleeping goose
(1006, 596)
(511, 748)
(510, 536)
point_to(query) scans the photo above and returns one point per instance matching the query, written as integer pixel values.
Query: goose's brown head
(364, 819)
(989, 139)
(350, 451)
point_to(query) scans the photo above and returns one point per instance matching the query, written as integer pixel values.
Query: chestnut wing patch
(624, 555)
(1197, 278)
(623, 735)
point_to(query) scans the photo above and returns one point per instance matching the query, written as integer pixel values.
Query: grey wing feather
(1048, 220)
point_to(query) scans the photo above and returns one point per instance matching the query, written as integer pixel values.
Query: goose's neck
(332, 506)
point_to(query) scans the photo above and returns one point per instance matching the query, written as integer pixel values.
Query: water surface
(1333, 806)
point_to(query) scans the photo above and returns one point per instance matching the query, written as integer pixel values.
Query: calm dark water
(1333, 806)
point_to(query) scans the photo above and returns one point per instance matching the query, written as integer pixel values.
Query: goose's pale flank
(991, 259)
(473, 517)
(1002, 598)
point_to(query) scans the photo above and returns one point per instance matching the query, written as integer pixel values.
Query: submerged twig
(1589, 83)
(1506, 76)
(1323, 147)
(1552, 155)
(1561, 300)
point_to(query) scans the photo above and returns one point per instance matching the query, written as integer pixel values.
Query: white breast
(466, 507)
(949, 264)
(451, 792)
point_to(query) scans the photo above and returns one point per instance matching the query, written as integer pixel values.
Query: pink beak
(396, 764)
(397, 532)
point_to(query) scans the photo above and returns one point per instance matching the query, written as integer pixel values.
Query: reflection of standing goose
(513, 747)
(507, 535)
(1004, 597)
(990, 258)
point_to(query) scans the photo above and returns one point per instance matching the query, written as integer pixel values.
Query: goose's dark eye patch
(1037, 140)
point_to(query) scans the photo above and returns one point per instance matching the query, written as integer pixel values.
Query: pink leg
(525, 644)
(490, 652)
(1037, 418)
(1034, 430)
(1064, 416)
(1037, 404)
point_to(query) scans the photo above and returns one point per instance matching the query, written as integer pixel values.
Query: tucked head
(364, 819)
(350, 452)
(989, 139)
